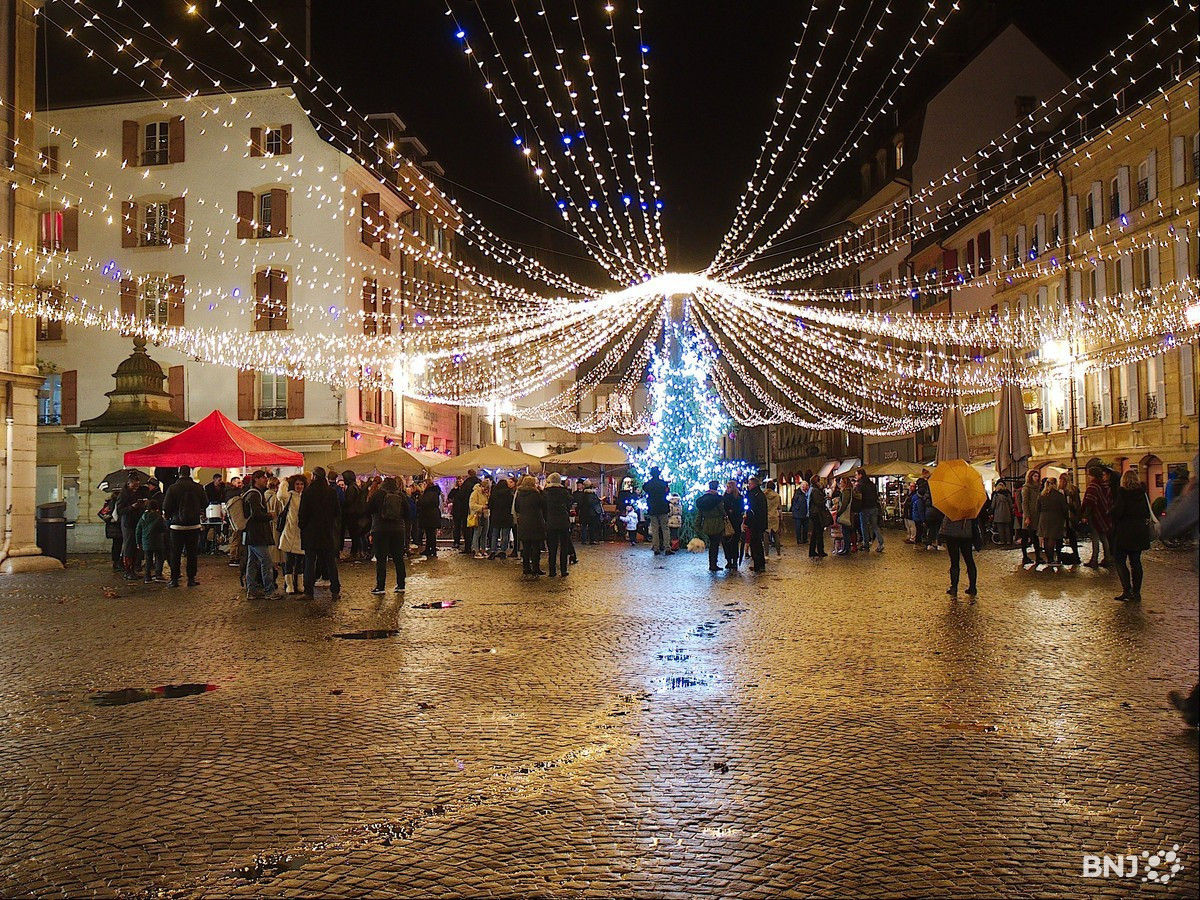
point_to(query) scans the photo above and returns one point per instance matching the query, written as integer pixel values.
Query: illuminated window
(157, 145)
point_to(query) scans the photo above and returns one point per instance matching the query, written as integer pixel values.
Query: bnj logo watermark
(1158, 867)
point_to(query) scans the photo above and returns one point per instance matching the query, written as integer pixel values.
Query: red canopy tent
(216, 443)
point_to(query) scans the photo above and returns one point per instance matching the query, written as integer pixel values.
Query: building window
(156, 301)
(1143, 183)
(1026, 105)
(50, 401)
(1114, 199)
(272, 396)
(157, 145)
(264, 215)
(1142, 269)
(48, 160)
(52, 230)
(1056, 229)
(271, 300)
(273, 141)
(156, 225)
(899, 155)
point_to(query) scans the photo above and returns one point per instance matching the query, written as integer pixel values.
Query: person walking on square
(869, 511)
(429, 512)
(819, 518)
(259, 539)
(1053, 513)
(183, 507)
(734, 505)
(630, 520)
(320, 534)
(558, 502)
(756, 521)
(128, 510)
(1097, 512)
(477, 517)
(1002, 513)
(500, 518)
(151, 537)
(658, 508)
(711, 521)
(959, 537)
(530, 515)
(1130, 534)
(799, 511)
(388, 511)
(353, 506)
(1030, 499)
(774, 511)
(288, 499)
(1066, 484)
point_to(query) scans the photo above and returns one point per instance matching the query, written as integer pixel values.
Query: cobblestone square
(641, 728)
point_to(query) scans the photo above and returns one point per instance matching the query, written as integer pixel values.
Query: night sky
(716, 69)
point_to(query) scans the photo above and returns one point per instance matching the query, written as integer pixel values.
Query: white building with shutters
(230, 214)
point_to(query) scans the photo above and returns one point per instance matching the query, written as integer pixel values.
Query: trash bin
(52, 530)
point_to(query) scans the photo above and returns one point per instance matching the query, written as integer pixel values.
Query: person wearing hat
(558, 524)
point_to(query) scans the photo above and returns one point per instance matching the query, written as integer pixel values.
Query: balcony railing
(1060, 420)
(50, 419)
(1143, 191)
(1041, 421)
(1097, 416)
(1151, 407)
(1114, 206)
(272, 412)
(1122, 409)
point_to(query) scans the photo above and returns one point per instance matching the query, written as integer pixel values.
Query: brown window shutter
(69, 411)
(385, 243)
(370, 219)
(70, 229)
(130, 132)
(286, 135)
(295, 398)
(129, 224)
(129, 296)
(175, 302)
(277, 290)
(385, 312)
(176, 221)
(256, 142)
(245, 388)
(175, 140)
(245, 214)
(175, 388)
(262, 300)
(279, 204)
(370, 296)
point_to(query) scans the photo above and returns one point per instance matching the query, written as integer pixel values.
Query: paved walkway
(639, 729)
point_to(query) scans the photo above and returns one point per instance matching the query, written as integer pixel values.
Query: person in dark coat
(590, 512)
(799, 510)
(259, 540)
(558, 524)
(500, 519)
(354, 506)
(183, 506)
(388, 512)
(530, 507)
(461, 509)
(1130, 534)
(130, 505)
(712, 514)
(735, 510)
(429, 516)
(756, 519)
(320, 533)
(1053, 514)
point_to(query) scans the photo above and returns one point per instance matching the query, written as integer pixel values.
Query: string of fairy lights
(414, 317)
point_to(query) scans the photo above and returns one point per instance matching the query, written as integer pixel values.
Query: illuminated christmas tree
(687, 422)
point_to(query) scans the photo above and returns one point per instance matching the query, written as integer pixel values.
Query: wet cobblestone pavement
(641, 728)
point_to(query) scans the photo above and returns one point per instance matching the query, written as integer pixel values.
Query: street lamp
(1060, 353)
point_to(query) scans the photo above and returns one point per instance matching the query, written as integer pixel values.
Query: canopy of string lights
(572, 82)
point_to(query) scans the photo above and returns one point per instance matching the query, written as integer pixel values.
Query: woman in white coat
(288, 500)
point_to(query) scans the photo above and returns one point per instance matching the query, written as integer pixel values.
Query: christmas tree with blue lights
(687, 422)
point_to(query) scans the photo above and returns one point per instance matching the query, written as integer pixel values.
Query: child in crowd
(152, 538)
(631, 524)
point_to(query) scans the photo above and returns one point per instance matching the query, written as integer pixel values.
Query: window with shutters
(272, 396)
(1114, 198)
(49, 329)
(156, 146)
(1089, 216)
(1195, 170)
(156, 300)
(1055, 229)
(1143, 183)
(156, 219)
(273, 141)
(271, 300)
(1141, 271)
(50, 400)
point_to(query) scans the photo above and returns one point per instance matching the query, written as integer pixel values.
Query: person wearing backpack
(260, 568)
(183, 507)
(388, 509)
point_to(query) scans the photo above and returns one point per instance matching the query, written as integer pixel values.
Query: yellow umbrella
(957, 489)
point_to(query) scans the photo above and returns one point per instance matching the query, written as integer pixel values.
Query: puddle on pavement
(676, 656)
(269, 866)
(707, 630)
(675, 682)
(368, 634)
(125, 696)
(436, 604)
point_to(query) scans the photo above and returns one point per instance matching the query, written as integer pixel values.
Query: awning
(827, 469)
(848, 465)
(214, 442)
(491, 457)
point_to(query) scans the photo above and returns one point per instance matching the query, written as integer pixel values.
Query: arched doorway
(1153, 476)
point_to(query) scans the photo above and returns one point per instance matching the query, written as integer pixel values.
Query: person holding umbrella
(957, 492)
